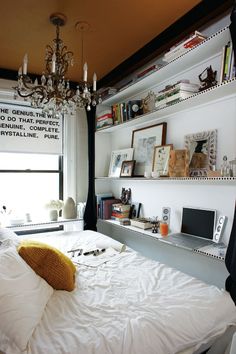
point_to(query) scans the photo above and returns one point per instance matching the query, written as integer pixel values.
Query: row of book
(118, 113)
(227, 63)
(109, 207)
(104, 205)
(125, 111)
(174, 52)
(122, 112)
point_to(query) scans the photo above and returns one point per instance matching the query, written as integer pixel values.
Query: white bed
(128, 305)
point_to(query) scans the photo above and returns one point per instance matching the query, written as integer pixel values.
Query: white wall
(154, 194)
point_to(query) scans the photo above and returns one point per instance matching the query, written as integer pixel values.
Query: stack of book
(175, 93)
(183, 46)
(227, 64)
(120, 211)
(104, 119)
(107, 92)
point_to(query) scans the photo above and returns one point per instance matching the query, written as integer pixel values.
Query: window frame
(60, 172)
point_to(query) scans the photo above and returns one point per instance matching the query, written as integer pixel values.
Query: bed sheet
(129, 305)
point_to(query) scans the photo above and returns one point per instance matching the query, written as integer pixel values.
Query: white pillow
(23, 297)
(6, 234)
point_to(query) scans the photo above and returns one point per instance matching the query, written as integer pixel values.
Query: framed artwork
(117, 157)
(143, 142)
(127, 168)
(202, 152)
(179, 163)
(161, 159)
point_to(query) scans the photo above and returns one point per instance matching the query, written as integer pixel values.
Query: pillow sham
(48, 262)
(23, 297)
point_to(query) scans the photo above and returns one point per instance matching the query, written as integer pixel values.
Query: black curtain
(90, 214)
(230, 261)
(232, 28)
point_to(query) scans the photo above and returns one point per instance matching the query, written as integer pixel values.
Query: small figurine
(225, 168)
(149, 102)
(155, 224)
(125, 196)
(207, 78)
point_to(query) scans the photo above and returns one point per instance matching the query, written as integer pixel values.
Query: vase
(69, 209)
(53, 215)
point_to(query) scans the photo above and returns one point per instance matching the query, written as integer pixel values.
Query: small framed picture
(127, 168)
(161, 159)
(117, 157)
(143, 142)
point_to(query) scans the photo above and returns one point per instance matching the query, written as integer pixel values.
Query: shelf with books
(209, 47)
(212, 94)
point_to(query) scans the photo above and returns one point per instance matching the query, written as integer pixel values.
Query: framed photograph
(127, 168)
(143, 142)
(161, 159)
(202, 152)
(117, 157)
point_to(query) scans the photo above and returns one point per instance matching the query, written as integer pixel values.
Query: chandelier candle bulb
(85, 71)
(54, 63)
(94, 82)
(20, 71)
(25, 63)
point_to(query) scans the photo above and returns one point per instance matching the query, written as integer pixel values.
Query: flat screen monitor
(198, 222)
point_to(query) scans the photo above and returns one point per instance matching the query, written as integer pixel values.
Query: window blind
(28, 130)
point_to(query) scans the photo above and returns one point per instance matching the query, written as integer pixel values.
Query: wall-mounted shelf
(213, 180)
(42, 224)
(227, 88)
(211, 46)
(158, 237)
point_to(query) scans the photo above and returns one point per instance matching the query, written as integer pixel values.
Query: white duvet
(129, 305)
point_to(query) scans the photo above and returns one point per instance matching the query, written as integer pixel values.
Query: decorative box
(141, 223)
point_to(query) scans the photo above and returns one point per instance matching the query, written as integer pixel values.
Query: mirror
(202, 151)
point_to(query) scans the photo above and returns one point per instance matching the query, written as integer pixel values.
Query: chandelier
(53, 94)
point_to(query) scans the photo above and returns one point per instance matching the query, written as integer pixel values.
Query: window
(28, 182)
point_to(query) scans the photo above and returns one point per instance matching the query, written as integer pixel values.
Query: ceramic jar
(53, 215)
(69, 209)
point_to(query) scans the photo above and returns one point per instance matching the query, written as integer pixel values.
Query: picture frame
(179, 163)
(143, 142)
(127, 168)
(202, 152)
(161, 157)
(117, 157)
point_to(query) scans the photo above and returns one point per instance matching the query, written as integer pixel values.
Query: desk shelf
(158, 237)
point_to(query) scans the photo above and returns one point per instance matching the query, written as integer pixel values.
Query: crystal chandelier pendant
(53, 93)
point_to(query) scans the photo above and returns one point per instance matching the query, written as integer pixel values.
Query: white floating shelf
(227, 180)
(211, 46)
(214, 93)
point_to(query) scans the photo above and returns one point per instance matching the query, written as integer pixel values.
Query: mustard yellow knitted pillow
(49, 263)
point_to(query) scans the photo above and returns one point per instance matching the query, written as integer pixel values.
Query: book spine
(193, 42)
(222, 64)
(146, 71)
(104, 116)
(226, 65)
